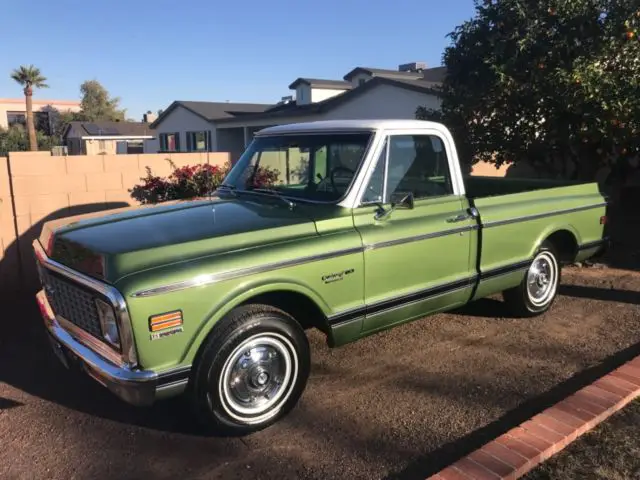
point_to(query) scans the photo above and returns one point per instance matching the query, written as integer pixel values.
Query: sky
(152, 52)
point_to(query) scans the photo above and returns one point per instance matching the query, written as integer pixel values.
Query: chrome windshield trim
(526, 218)
(208, 279)
(129, 354)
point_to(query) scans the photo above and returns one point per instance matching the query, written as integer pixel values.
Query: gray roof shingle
(293, 109)
(321, 83)
(106, 128)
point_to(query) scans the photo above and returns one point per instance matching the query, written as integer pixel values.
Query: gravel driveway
(400, 404)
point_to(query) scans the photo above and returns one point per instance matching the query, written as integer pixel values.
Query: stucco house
(362, 93)
(107, 138)
(13, 112)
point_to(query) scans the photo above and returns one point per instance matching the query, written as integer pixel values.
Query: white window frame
(354, 199)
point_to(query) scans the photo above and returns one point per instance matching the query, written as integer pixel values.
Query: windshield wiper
(227, 186)
(275, 193)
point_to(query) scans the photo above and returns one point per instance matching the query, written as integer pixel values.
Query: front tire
(539, 287)
(252, 371)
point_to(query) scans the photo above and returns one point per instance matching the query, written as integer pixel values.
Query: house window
(135, 146)
(170, 142)
(16, 118)
(361, 81)
(197, 141)
(40, 120)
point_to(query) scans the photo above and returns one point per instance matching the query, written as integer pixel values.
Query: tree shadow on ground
(449, 453)
(604, 294)
(484, 307)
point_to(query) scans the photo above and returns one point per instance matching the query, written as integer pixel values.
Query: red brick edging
(522, 448)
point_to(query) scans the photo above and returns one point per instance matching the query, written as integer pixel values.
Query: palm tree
(30, 77)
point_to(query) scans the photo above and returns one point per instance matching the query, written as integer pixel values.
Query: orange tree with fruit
(555, 83)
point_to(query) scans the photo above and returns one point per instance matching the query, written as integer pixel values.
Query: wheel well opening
(298, 305)
(565, 244)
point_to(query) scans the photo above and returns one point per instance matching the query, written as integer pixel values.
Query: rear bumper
(137, 387)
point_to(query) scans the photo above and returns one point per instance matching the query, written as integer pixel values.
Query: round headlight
(108, 323)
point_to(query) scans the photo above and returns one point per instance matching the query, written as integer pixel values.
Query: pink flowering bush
(191, 181)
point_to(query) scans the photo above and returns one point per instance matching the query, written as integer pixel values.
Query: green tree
(16, 139)
(553, 83)
(29, 77)
(97, 104)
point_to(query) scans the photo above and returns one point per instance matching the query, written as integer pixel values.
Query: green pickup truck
(350, 227)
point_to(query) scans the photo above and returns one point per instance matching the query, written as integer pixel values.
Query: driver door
(417, 260)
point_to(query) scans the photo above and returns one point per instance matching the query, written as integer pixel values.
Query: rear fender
(549, 230)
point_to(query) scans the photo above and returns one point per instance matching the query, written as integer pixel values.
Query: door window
(416, 164)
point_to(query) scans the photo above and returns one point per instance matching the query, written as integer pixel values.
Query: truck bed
(480, 187)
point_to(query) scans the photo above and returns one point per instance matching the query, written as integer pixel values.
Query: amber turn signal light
(165, 320)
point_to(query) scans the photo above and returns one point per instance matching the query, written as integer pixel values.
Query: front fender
(243, 293)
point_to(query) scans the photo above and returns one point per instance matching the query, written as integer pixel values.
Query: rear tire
(539, 287)
(252, 371)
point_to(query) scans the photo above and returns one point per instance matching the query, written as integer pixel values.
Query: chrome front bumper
(137, 387)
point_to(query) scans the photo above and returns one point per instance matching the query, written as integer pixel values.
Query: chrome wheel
(542, 279)
(258, 377)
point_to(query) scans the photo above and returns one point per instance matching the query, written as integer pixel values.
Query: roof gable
(435, 74)
(213, 110)
(292, 109)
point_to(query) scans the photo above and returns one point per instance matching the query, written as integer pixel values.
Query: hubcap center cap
(262, 378)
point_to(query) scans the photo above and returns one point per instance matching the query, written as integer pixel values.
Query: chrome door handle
(471, 213)
(460, 218)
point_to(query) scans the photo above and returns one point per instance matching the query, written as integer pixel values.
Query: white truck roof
(346, 125)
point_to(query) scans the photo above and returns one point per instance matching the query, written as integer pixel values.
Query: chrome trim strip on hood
(208, 279)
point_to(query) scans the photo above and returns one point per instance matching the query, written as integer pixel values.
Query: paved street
(400, 404)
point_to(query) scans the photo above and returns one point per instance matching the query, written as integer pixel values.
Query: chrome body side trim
(526, 218)
(417, 238)
(390, 303)
(129, 354)
(208, 279)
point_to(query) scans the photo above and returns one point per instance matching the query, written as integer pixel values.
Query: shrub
(184, 182)
(191, 181)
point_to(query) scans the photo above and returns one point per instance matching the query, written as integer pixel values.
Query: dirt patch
(400, 404)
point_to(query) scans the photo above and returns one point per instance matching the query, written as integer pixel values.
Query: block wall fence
(36, 187)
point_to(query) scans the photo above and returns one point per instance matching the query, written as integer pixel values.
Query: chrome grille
(72, 302)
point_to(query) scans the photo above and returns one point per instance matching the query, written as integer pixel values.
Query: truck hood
(111, 245)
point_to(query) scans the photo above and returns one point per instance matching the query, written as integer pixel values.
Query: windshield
(315, 167)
